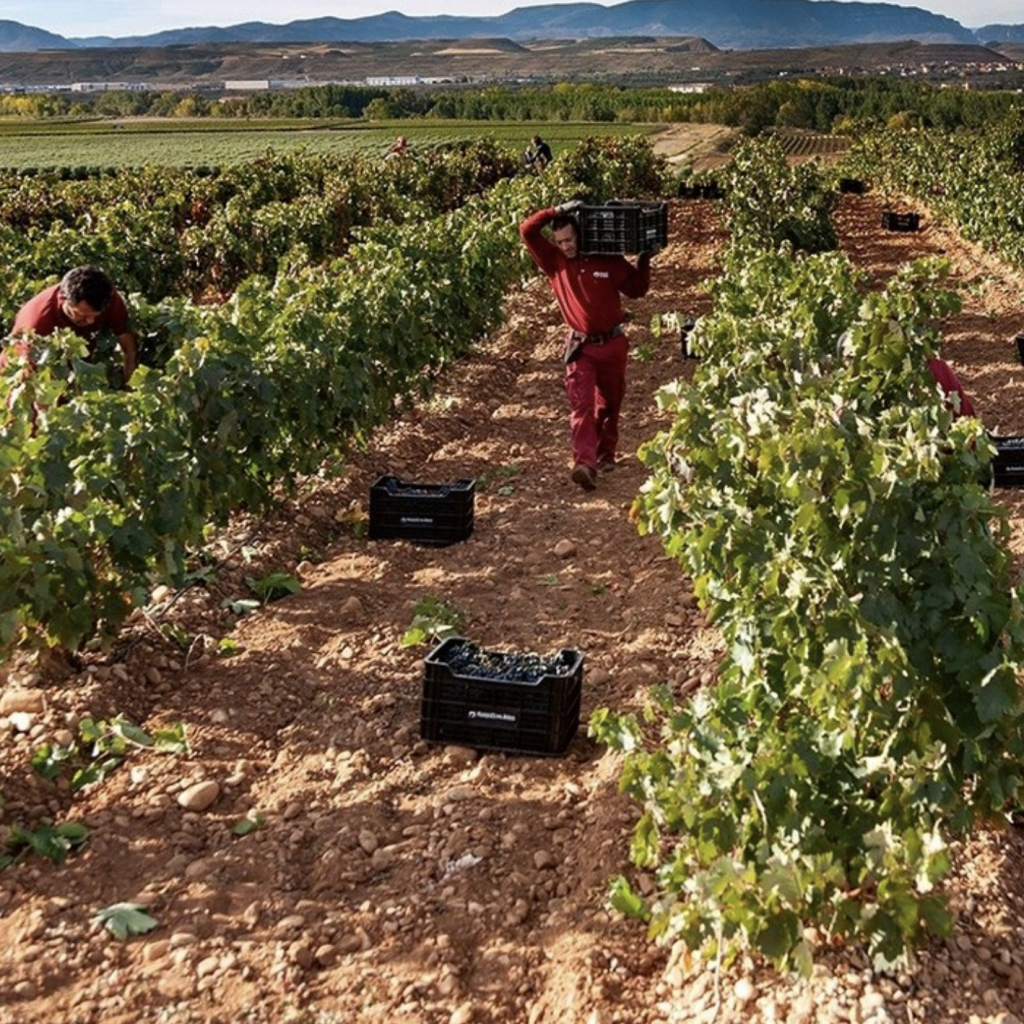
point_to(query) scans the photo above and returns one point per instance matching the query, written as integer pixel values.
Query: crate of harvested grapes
(501, 700)
(436, 514)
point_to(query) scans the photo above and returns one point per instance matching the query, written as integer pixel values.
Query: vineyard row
(833, 519)
(103, 493)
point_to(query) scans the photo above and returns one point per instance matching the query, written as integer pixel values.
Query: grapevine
(829, 512)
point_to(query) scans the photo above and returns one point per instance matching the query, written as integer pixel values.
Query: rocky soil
(395, 880)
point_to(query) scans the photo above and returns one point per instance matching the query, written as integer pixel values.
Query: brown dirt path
(396, 880)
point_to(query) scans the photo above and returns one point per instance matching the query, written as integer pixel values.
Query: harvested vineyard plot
(705, 146)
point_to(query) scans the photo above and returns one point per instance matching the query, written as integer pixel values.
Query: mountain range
(728, 24)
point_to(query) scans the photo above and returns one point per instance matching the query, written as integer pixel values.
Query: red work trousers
(596, 385)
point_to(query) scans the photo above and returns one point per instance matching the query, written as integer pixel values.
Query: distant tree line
(824, 105)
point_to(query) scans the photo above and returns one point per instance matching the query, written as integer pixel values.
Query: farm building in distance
(266, 84)
(111, 87)
(393, 80)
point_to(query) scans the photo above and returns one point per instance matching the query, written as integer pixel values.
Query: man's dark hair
(565, 220)
(87, 284)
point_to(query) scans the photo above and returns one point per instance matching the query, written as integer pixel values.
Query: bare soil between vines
(396, 880)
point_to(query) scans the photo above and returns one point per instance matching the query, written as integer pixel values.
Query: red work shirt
(950, 384)
(45, 314)
(587, 287)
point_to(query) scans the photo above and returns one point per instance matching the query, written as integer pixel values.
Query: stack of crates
(622, 227)
(710, 190)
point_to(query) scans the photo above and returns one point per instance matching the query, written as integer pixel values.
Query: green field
(191, 143)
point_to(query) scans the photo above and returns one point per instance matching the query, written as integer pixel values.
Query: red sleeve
(38, 314)
(636, 280)
(545, 253)
(20, 350)
(950, 384)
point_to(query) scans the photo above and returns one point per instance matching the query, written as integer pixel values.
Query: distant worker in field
(85, 302)
(538, 154)
(588, 292)
(398, 148)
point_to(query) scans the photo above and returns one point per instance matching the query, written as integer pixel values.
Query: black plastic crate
(893, 221)
(437, 514)
(1008, 462)
(709, 190)
(1019, 342)
(538, 714)
(622, 227)
(852, 186)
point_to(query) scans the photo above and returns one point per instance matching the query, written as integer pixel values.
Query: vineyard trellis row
(163, 233)
(973, 179)
(832, 518)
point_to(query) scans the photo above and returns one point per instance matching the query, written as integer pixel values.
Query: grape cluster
(396, 487)
(514, 666)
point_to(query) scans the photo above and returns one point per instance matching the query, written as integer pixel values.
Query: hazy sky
(76, 18)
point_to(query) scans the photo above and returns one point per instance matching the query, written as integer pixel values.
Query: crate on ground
(707, 190)
(436, 514)
(1008, 462)
(495, 700)
(1018, 340)
(852, 186)
(621, 227)
(906, 221)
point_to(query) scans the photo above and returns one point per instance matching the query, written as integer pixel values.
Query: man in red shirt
(85, 302)
(588, 292)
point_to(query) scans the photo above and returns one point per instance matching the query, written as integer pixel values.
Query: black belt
(597, 339)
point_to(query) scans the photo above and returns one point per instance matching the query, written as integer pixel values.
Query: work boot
(606, 463)
(584, 476)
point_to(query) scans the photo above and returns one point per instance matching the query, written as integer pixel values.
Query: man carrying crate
(588, 290)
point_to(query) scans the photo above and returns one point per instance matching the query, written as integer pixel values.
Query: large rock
(31, 702)
(199, 796)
